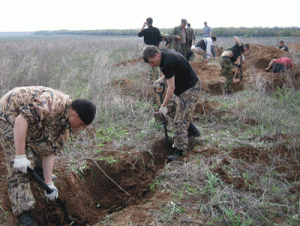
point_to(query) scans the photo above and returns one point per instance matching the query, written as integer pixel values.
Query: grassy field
(84, 67)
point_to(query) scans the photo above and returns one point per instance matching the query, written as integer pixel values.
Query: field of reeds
(258, 186)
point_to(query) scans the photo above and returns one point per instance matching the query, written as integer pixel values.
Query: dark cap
(184, 21)
(85, 109)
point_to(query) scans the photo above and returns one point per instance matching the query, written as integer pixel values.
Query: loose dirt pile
(102, 188)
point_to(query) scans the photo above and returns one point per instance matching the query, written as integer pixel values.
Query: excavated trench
(102, 188)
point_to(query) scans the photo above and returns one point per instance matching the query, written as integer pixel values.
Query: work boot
(193, 131)
(25, 219)
(175, 157)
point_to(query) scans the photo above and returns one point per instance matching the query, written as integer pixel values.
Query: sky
(36, 15)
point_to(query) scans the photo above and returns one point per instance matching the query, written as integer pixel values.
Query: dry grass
(82, 67)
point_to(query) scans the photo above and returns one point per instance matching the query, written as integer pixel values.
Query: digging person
(35, 121)
(227, 58)
(204, 47)
(280, 65)
(183, 86)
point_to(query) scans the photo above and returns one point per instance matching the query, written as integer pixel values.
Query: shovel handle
(163, 89)
(164, 118)
(39, 180)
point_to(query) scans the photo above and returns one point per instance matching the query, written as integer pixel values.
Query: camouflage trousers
(225, 63)
(19, 191)
(181, 109)
(154, 73)
(182, 49)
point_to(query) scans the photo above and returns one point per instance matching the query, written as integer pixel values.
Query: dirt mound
(105, 187)
(294, 49)
(257, 59)
(260, 57)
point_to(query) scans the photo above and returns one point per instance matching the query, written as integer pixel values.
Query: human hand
(158, 87)
(163, 110)
(54, 194)
(21, 163)
(158, 84)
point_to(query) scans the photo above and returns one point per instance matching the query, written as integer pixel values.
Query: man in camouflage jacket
(180, 43)
(35, 121)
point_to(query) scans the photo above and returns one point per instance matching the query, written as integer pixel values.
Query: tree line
(218, 32)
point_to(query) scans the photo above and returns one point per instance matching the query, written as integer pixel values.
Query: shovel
(42, 183)
(164, 118)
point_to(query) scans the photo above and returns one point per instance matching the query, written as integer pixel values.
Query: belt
(226, 57)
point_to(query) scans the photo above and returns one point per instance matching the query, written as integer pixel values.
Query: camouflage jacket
(177, 42)
(190, 34)
(45, 110)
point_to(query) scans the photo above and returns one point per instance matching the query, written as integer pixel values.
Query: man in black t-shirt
(283, 46)
(183, 82)
(232, 55)
(152, 36)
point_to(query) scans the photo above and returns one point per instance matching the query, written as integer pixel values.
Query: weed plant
(85, 67)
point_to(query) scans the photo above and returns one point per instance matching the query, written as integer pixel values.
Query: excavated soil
(102, 189)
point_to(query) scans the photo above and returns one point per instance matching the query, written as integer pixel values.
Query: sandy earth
(90, 201)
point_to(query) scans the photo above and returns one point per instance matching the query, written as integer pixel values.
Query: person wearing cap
(180, 42)
(35, 122)
(232, 55)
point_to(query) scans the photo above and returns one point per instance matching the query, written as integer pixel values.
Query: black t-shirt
(151, 35)
(285, 48)
(237, 50)
(175, 64)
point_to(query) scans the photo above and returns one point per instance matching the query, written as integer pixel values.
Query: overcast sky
(34, 15)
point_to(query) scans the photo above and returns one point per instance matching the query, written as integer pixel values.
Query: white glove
(54, 194)
(157, 85)
(21, 163)
(163, 110)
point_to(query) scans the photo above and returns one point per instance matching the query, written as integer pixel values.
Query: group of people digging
(183, 84)
(36, 121)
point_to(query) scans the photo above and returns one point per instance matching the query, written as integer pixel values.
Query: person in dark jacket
(152, 36)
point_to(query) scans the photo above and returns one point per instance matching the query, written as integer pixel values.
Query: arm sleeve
(208, 47)
(141, 33)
